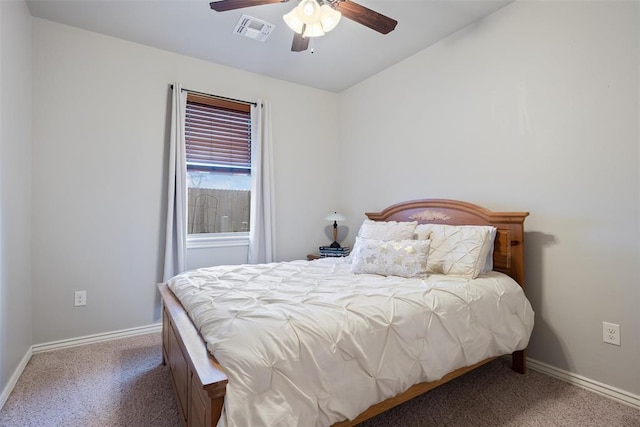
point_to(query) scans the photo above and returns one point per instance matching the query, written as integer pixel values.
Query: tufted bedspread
(308, 343)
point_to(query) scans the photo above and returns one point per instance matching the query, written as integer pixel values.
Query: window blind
(217, 135)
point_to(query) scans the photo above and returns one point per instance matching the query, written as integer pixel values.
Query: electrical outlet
(611, 333)
(80, 298)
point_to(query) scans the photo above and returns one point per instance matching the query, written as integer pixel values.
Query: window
(218, 157)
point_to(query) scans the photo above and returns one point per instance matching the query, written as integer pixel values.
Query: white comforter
(309, 343)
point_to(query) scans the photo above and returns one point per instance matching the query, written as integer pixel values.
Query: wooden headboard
(508, 253)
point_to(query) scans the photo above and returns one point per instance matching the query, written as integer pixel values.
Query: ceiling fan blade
(224, 5)
(299, 43)
(362, 15)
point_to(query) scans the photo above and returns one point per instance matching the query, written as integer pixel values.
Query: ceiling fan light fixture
(329, 17)
(293, 21)
(309, 11)
(312, 20)
(313, 30)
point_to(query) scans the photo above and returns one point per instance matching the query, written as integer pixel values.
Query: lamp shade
(313, 30)
(329, 17)
(335, 217)
(309, 11)
(293, 21)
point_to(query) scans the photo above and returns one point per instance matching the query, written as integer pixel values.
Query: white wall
(100, 132)
(533, 109)
(15, 188)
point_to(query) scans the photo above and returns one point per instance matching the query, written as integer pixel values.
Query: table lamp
(335, 217)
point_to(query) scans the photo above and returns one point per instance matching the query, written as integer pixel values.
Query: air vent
(253, 28)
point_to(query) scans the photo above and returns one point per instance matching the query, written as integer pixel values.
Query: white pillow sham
(422, 232)
(387, 230)
(404, 258)
(460, 250)
(488, 265)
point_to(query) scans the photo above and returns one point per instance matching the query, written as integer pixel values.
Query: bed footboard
(198, 381)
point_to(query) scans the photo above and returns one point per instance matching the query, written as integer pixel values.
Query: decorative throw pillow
(387, 230)
(404, 258)
(460, 250)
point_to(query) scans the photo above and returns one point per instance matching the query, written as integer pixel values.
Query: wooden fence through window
(218, 211)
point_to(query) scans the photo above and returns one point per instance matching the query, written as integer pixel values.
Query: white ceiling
(340, 59)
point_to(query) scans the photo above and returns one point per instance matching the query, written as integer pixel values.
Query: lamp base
(335, 245)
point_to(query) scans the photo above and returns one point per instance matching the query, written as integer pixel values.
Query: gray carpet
(123, 383)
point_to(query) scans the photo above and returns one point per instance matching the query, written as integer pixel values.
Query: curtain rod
(218, 97)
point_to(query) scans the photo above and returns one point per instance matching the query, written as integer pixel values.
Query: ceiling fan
(312, 18)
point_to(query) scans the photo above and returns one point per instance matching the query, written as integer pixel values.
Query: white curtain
(176, 233)
(262, 227)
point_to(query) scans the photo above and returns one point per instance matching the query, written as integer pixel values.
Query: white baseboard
(605, 390)
(14, 378)
(90, 339)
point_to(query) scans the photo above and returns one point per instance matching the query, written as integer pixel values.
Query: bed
(201, 383)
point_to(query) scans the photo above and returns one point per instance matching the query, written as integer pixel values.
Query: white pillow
(387, 230)
(422, 232)
(404, 258)
(488, 265)
(460, 250)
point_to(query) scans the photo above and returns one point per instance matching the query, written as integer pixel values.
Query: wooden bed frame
(200, 382)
